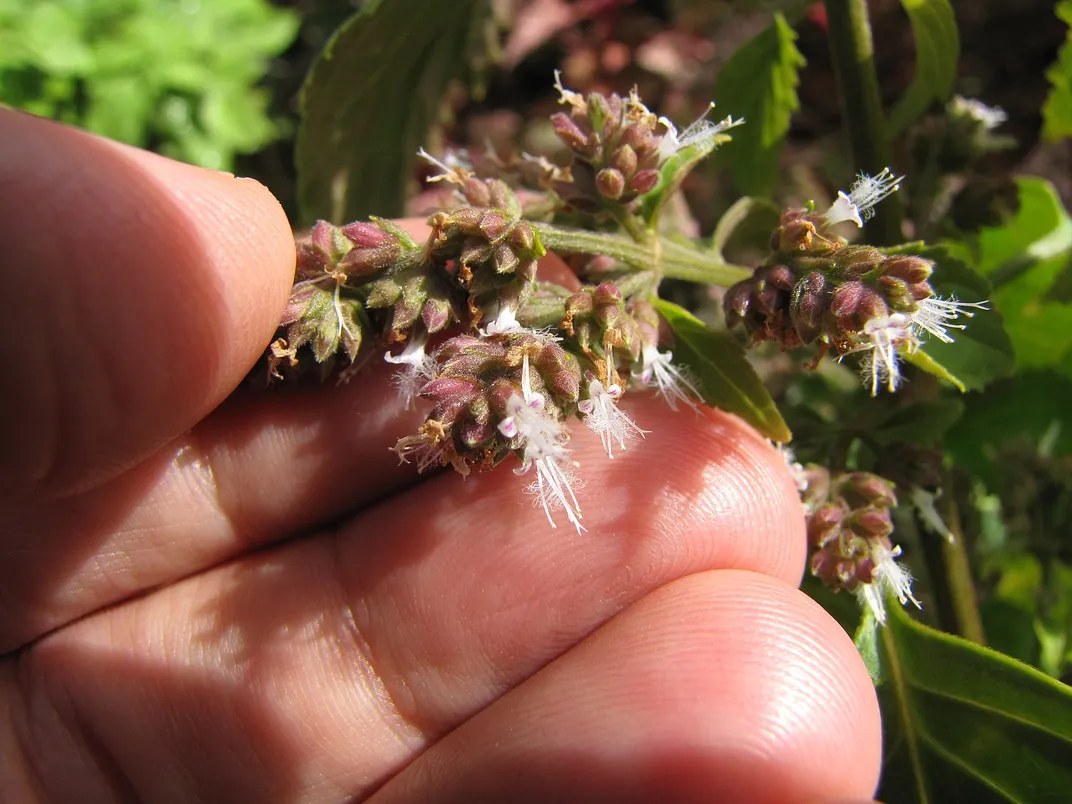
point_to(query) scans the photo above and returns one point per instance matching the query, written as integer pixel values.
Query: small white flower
(701, 131)
(505, 321)
(885, 336)
(859, 204)
(936, 315)
(417, 368)
(605, 418)
(887, 576)
(543, 447)
(672, 382)
(989, 116)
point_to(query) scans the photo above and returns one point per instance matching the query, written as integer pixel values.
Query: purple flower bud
(607, 293)
(505, 259)
(560, 371)
(499, 395)
(297, 304)
(808, 305)
(855, 261)
(475, 251)
(523, 238)
(570, 133)
(624, 160)
(644, 182)
(736, 302)
(450, 395)
(861, 489)
(466, 220)
(921, 291)
(501, 194)
(436, 314)
(781, 277)
(361, 262)
(365, 234)
(610, 183)
(476, 192)
(912, 270)
(824, 523)
(870, 523)
(493, 225)
(580, 304)
(846, 299)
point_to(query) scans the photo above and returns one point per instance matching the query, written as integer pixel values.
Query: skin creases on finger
(725, 686)
(340, 658)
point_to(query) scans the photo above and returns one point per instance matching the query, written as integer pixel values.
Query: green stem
(958, 573)
(852, 51)
(665, 257)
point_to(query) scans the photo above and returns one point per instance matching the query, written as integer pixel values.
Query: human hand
(182, 618)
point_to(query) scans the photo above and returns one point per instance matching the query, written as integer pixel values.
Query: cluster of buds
(508, 389)
(816, 288)
(323, 311)
(849, 528)
(618, 146)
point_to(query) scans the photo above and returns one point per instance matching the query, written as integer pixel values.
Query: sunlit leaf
(964, 723)
(727, 379)
(981, 352)
(934, 28)
(1025, 259)
(1057, 110)
(371, 98)
(759, 83)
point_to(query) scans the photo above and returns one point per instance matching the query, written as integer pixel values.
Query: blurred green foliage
(177, 76)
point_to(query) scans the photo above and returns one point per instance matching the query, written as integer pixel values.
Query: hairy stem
(667, 258)
(852, 52)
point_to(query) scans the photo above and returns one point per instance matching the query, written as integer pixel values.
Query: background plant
(179, 77)
(985, 419)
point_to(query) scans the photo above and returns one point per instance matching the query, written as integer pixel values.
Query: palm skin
(207, 596)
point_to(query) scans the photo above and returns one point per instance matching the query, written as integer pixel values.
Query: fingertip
(722, 686)
(142, 289)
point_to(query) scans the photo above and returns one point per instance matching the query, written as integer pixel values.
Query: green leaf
(1022, 408)
(1025, 259)
(934, 28)
(727, 379)
(922, 422)
(964, 723)
(1057, 110)
(980, 353)
(371, 98)
(742, 220)
(759, 83)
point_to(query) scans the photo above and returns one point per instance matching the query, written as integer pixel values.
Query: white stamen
(887, 576)
(859, 204)
(605, 418)
(543, 446)
(672, 382)
(886, 335)
(700, 130)
(935, 315)
(417, 368)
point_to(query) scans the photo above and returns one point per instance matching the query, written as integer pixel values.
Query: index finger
(140, 291)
